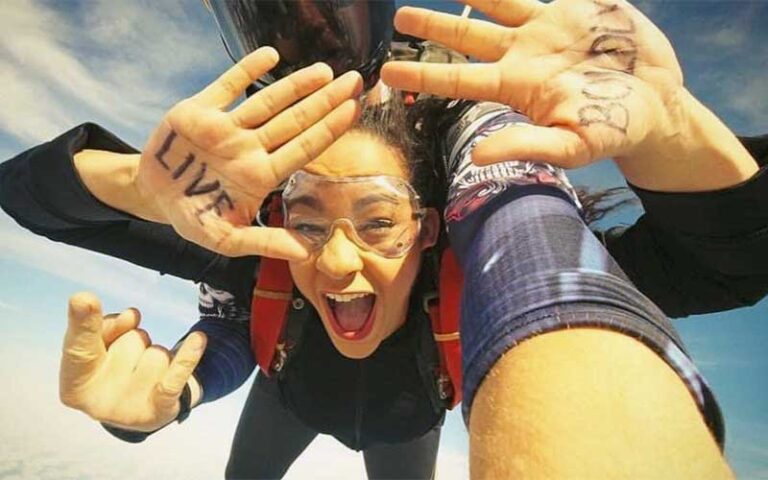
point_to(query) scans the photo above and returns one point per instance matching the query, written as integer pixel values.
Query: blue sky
(122, 64)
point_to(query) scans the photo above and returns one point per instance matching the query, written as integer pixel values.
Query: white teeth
(345, 297)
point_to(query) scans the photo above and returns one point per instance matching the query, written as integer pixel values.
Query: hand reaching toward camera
(208, 170)
(111, 371)
(597, 79)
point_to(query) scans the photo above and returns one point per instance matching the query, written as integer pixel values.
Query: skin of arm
(551, 403)
(110, 177)
(696, 152)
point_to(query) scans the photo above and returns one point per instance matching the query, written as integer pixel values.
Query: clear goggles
(381, 214)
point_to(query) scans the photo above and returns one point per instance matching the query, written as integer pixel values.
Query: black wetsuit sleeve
(42, 192)
(704, 252)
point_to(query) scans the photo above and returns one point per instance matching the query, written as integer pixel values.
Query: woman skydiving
(597, 382)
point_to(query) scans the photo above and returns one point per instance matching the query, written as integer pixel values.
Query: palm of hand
(208, 169)
(208, 174)
(111, 371)
(596, 77)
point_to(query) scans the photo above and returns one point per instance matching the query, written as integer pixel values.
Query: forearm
(110, 177)
(588, 403)
(228, 358)
(692, 151)
(700, 252)
(555, 276)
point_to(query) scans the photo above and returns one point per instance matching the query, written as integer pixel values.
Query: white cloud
(130, 284)
(9, 307)
(731, 36)
(117, 63)
(57, 443)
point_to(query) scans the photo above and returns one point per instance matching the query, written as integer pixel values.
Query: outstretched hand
(596, 77)
(111, 371)
(208, 170)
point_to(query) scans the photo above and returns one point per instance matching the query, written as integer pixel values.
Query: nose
(339, 256)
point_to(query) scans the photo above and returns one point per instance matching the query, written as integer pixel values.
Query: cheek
(395, 277)
(303, 275)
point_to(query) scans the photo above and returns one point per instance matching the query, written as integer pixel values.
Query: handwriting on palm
(209, 170)
(595, 76)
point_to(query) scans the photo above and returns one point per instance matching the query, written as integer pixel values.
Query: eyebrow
(374, 198)
(306, 200)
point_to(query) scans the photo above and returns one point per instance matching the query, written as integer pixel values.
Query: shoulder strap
(444, 315)
(271, 297)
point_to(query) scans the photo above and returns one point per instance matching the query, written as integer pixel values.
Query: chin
(355, 351)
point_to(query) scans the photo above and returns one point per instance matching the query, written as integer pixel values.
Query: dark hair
(416, 130)
(403, 128)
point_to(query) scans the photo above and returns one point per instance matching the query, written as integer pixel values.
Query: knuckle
(507, 40)
(164, 392)
(224, 245)
(143, 335)
(301, 116)
(187, 363)
(265, 137)
(306, 146)
(329, 131)
(296, 87)
(460, 30)
(270, 103)
(454, 78)
(229, 87)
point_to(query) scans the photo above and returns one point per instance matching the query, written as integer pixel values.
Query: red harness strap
(271, 296)
(444, 316)
(274, 291)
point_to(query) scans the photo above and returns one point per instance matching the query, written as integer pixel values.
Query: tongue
(352, 315)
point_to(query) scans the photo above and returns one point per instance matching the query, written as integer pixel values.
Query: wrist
(693, 151)
(196, 391)
(111, 178)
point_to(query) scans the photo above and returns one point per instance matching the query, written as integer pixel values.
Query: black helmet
(345, 34)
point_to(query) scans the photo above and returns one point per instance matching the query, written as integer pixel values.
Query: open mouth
(351, 313)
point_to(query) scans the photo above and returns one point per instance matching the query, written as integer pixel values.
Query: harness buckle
(427, 299)
(444, 387)
(281, 355)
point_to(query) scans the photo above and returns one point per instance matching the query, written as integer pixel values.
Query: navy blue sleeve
(42, 192)
(228, 359)
(701, 252)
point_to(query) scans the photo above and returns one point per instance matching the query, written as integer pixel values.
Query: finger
(181, 368)
(263, 241)
(232, 83)
(553, 145)
(126, 351)
(478, 38)
(280, 95)
(313, 141)
(473, 81)
(83, 340)
(152, 365)
(116, 324)
(512, 13)
(309, 111)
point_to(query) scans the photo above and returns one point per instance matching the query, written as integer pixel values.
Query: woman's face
(361, 296)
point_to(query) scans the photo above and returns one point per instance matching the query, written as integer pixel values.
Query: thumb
(83, 341)
(554, 145)
(183, 364)
(266, 242)
(83, 350)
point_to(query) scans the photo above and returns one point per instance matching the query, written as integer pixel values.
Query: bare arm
(550, 404)
(110, 177)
